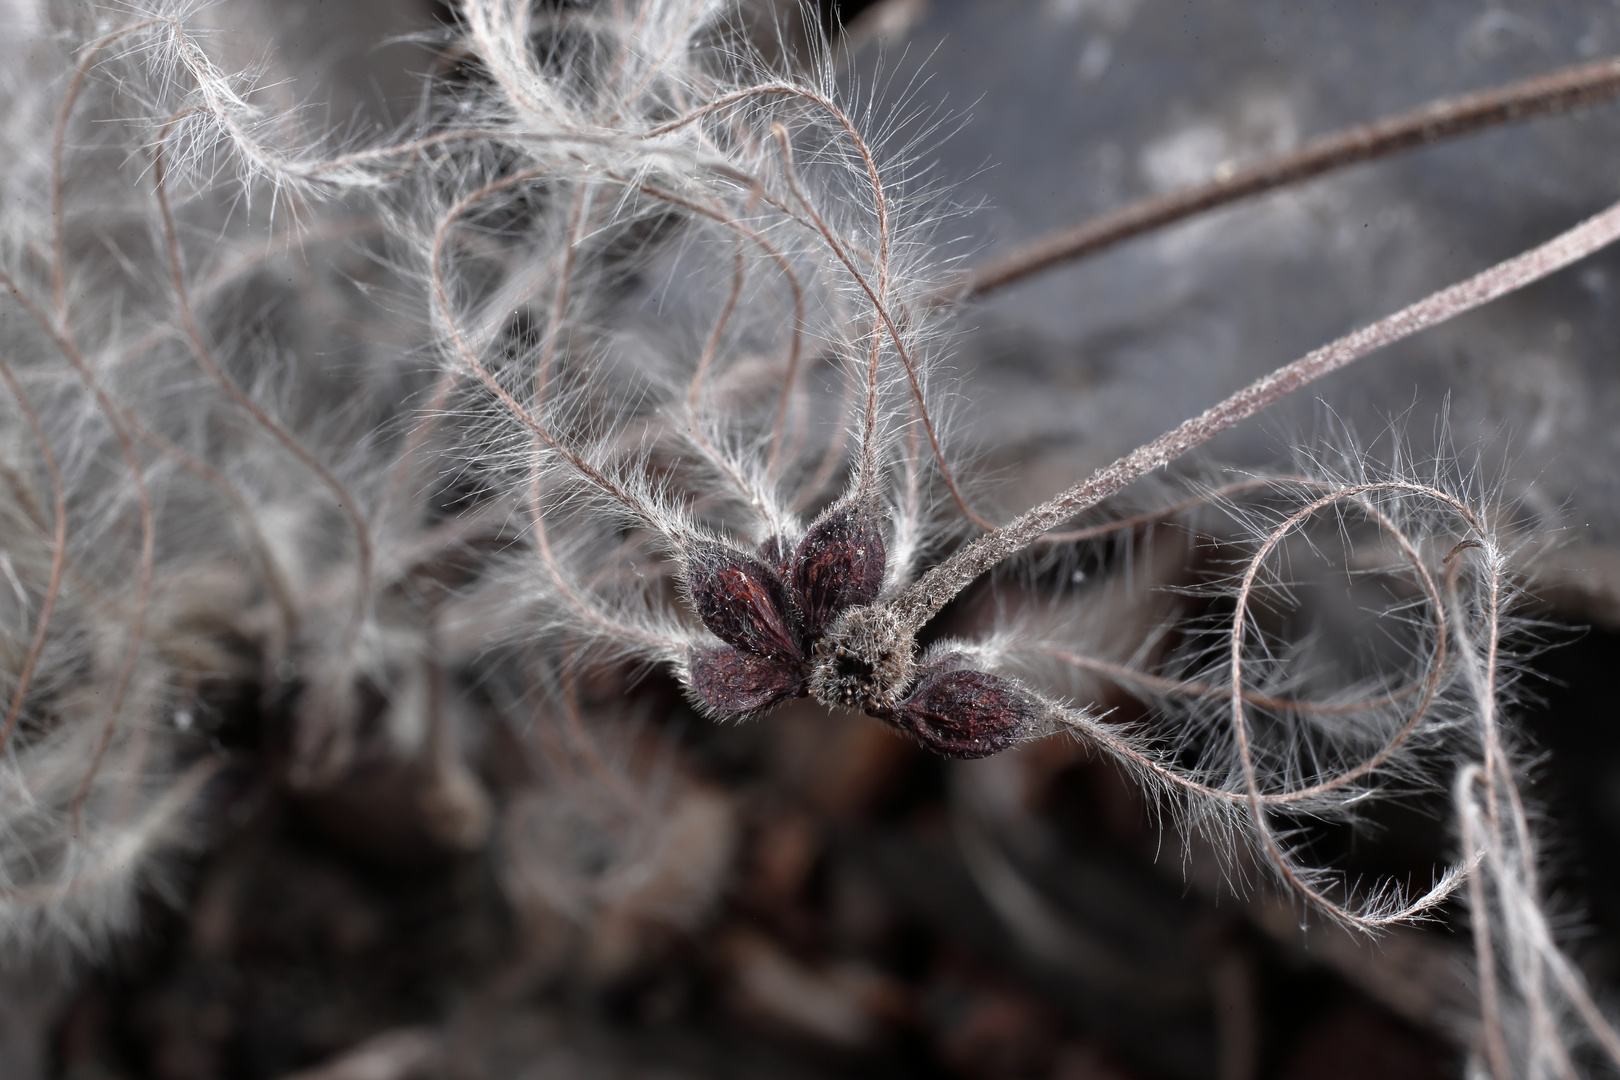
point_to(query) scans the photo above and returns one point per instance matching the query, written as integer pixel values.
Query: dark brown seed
(733, 682)
(965, 714)
(744, 603)
(839, 565)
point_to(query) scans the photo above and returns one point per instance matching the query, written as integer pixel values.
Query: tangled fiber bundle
(623, 360)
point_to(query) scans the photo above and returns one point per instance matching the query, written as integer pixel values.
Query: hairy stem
(924, 598)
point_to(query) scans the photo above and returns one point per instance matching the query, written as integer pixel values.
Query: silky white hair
(325, 416)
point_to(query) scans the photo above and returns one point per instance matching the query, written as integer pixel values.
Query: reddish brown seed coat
(734, 682)
(839, 564)
(965, 714)
(744, 603)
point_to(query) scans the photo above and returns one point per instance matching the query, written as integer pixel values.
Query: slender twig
(1543, 95)
(924, 598)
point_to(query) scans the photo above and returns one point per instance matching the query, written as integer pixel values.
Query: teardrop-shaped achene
(744, 603)
(839, 565)
(965, 714)
(733, 682)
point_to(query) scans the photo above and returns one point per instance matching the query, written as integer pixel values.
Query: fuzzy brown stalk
(914, 606)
